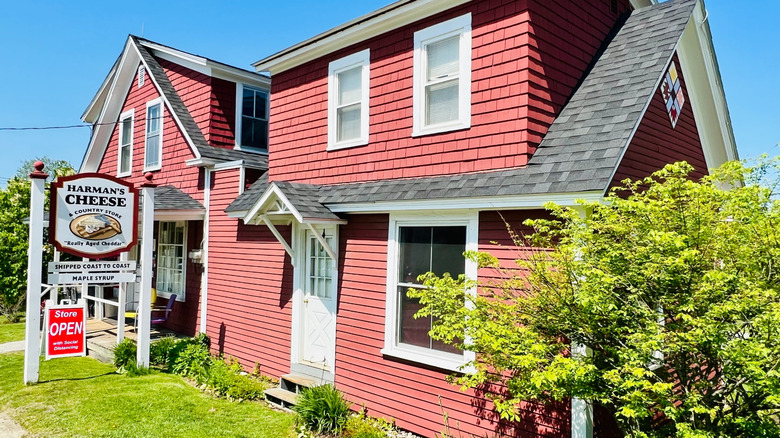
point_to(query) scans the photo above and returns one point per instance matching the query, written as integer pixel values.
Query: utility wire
(82, 125)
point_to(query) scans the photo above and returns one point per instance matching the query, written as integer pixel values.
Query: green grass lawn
(81, 397)
(11, 332)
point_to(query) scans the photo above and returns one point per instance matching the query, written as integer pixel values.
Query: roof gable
(118, 84)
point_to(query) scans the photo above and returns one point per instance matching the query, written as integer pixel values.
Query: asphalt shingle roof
(171, 198)
(187, 122)
(583, 146)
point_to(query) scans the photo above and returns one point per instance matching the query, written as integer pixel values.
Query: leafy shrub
(160, 350)
(323, 409)
(362, 426)
(194, 361)
(125, 353)
(228, 379)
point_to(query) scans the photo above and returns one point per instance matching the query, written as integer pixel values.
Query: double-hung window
(442, 77)
(171, 259)
(124, 163)
(348, 85)
(418, 244)
(153, 143)
(253, 131)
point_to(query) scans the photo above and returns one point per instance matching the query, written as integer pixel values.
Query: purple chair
(167, 311)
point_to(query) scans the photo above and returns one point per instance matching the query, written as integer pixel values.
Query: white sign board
(93, 215)
(92, 277)
(57, 267)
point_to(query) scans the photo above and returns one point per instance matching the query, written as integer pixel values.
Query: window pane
(124, 159)
(152, 150)
(443, 58)
(348, 122)
(449, 243)
(126, 126)
(349, 86)
(254, 133)
(415, 253)
(261, 105)
(410, 330)
(153, 119)
(441, 102)
(248, 104)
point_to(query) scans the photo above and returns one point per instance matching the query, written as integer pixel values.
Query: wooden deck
(101, 337)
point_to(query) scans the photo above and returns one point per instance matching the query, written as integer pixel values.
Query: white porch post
(204, 258)
(581, 410)
(32, 350)
(121, 300)
(145, 299)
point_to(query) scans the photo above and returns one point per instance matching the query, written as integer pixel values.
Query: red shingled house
(395, 142)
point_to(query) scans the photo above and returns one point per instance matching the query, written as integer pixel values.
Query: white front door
(318, 302)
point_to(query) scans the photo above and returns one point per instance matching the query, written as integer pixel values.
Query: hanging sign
(93, 215)
(60, 267)
(66, 330)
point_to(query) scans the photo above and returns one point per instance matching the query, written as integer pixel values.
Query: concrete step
(281, 397)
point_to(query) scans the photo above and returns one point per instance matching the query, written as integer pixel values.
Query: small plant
(125, 353)
(160, 350)
(361, 425)
(194, 361)
(323, 409)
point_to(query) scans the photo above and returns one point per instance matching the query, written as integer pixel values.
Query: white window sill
(445, 361)
(122, 175)
(250, 149)
(438, 129)
(347, 144)
(152, 169)
(167, 295)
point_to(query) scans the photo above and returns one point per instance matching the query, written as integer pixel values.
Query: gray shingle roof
(583, 146)
(185, 118)
(305, 199)
(246, 200)
(171, 198)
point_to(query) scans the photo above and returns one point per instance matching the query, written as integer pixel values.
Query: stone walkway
(11, 347)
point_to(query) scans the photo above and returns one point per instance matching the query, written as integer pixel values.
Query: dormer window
(442, 77)
(253, 124)
(125, 154)
(348, 80)
(153, 142)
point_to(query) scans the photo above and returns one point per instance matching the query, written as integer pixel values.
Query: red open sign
(66, 331)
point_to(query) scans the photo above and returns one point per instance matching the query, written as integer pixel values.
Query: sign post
(145, 300)
(32, 352)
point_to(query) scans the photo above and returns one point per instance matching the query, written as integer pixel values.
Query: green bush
(160, 350)
(194, 361)
(363, 426)
(125, 353)
(228, 379)
(323, 409)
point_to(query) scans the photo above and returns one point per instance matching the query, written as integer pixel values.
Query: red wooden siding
(174, 146)
(656, 143)
(526, 58)
(249, 286)
(195, 91)
(223, 114)
(408, 392)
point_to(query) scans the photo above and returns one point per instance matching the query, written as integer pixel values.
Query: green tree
(673, 284)
(14, 233)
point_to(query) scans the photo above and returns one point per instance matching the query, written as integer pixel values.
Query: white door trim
(299, 281)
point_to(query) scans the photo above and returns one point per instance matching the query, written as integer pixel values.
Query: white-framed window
(251, 118)
(348, 85)
(172, 259)
(124, 164)
(419, 243)
(154, 135)
(442, 77)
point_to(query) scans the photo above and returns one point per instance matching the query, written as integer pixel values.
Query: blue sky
(57, 54)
